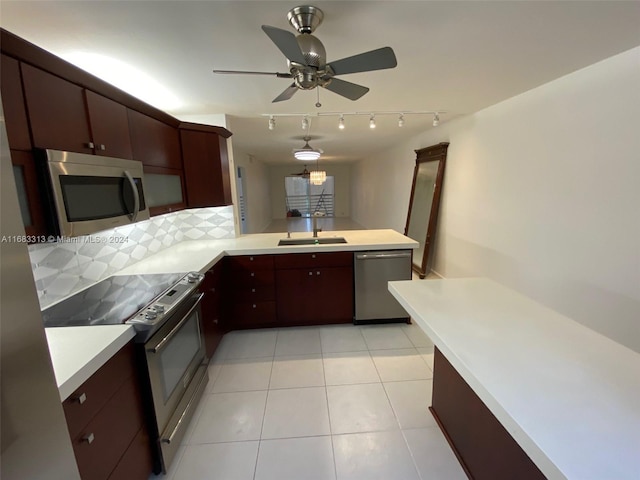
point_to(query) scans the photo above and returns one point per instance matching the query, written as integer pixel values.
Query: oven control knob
(158, 308)
(150, 315)
(192, 277)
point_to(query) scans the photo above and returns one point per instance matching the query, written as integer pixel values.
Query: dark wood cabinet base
(483, 446)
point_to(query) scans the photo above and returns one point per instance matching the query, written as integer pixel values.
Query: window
(303, 199)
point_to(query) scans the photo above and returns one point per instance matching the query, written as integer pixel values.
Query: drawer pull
(91, 145)
(251, 259)
(102, 147)
(310, 273)
(313, 256)
(89, 438)
(317, 273)
(253, 290)
(254, 305)
(253, 274)
(81, 398)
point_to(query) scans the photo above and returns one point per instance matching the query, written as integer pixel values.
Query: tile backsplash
(65, 267)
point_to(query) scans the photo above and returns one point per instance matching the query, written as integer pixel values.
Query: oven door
(174, 354)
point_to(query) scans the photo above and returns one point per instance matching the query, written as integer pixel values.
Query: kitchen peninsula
(522, 391)
(73, 366)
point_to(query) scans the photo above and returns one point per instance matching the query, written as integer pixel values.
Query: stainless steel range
(165, 311)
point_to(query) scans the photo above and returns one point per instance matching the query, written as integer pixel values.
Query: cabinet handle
(81, 398)
(253, 274)
(317, 273)
(89, 438)
(251, 259)
(313, 256)
(91, 145)
(102, 147)
(254, 305)
(253, 290)
(213, 290)
(215, 320)
(310, 273)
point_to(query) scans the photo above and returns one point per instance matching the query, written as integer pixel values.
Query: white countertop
(78, 352)
(568, 395)
(200, 255)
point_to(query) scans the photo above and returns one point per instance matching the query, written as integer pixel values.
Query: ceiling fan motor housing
(305, 18)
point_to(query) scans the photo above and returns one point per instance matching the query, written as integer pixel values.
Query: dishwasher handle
(380, 256)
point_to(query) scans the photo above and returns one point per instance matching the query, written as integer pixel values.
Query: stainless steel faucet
(315, 223)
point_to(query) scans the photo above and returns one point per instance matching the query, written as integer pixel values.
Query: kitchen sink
(311, 241)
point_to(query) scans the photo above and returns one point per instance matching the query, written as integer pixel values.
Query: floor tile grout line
(264, 414)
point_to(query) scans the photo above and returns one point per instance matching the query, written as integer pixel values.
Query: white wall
(541, 193)
(257, 191)
(342, 185)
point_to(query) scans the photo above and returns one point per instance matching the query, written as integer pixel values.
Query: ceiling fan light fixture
(307, 155)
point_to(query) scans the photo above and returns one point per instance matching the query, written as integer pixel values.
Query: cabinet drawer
(86, 401)
(252, 278)
(251, 262)
(103, 441)
(137, 462)
(312, 260)
(258, 293)
(253, 315)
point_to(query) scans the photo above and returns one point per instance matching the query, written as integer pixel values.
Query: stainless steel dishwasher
(374, 303)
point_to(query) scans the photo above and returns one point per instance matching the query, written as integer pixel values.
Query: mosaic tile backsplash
(66, 267)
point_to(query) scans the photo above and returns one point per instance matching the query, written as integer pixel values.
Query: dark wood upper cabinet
(154, 142)
(57, 112)
(109, 124)
(206, 168)
(15, 111)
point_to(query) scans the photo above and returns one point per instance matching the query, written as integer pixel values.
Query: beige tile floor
(318, 403)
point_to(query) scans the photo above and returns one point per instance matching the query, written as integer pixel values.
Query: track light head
(401, 121)
(436, 119)
(272, 123)
(305, 123)
(341, 122)
(372, 122)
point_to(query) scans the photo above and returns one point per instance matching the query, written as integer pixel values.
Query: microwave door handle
(136, 197)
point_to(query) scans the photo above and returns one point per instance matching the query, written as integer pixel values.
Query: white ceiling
(452, 56)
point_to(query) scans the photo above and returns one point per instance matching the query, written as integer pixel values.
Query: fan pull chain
(318, 104)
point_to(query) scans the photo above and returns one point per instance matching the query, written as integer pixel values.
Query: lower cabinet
(314, 288)
(287, 290)
(105, 419)
(212, 327)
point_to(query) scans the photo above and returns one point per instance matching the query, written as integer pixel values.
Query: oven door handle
(175, 329)
(136, 197)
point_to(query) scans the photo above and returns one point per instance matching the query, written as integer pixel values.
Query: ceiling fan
(306, 58)
(304, 173)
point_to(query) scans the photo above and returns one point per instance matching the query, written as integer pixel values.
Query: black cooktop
(111, 301)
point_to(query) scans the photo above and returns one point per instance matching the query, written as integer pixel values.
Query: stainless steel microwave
(93, 193)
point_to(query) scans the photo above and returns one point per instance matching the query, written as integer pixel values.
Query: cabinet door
(15, 111)
(24, 172)
(202, 169)
(57, 111)
(109, 126)
(154, 142)
(164, 189)
(333, 294)
(211, 309)
(296, 296)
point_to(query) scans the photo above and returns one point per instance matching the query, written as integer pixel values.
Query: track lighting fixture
(307, 117)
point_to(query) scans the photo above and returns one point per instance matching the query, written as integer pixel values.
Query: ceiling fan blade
(365, 62)
(287, 94)
(245, 72)
(286, 42)
(350, 90)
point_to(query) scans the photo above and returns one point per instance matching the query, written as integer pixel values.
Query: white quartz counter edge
(200, 255)
(78, 352)
(568, 395)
